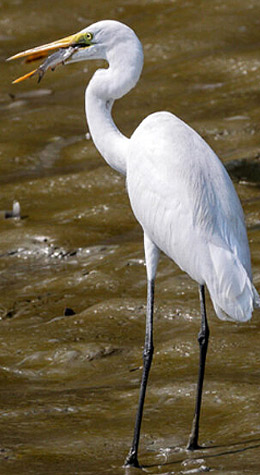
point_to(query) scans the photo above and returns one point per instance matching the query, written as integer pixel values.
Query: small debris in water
(16, 211)
(68, 312)
(9, 314)
(135, 369)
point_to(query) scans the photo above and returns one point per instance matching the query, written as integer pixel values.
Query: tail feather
(231, 290)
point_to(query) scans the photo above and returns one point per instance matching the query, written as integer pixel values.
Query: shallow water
(69, 384)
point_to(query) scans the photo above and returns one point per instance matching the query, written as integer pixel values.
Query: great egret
(179, 191)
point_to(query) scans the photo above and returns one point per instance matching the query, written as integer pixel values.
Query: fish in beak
(59, 57)
(66, 48)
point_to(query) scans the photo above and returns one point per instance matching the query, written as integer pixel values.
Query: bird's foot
(131, 460)
(193, 445)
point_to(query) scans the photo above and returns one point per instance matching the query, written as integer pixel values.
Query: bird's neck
(105, 87)
(109, 141)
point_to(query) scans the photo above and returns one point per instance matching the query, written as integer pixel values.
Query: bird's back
(183, 197)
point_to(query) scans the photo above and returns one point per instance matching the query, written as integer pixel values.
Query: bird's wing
(182, 195)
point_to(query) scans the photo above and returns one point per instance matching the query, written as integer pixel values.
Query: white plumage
(186, 203)
(179, 191)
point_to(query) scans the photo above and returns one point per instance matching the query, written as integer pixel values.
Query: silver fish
(59, 57)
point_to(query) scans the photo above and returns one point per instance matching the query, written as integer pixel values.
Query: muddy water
(69, 383)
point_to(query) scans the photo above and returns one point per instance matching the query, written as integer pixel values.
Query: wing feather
(183, 197)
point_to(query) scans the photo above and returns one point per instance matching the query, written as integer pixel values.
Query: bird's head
(108, 39)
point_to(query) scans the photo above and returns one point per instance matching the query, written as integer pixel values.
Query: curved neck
(109, 141)
(105, 87)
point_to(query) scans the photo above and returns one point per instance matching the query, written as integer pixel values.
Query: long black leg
(132, 459)
(203, 338)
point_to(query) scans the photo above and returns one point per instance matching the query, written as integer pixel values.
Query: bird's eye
(88, 36)
(83, 40)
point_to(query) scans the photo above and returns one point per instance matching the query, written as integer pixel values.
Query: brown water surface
(69, 384)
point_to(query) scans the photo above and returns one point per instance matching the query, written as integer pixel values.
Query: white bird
(179, 191)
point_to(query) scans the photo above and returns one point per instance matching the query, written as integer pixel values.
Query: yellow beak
(40, 52)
